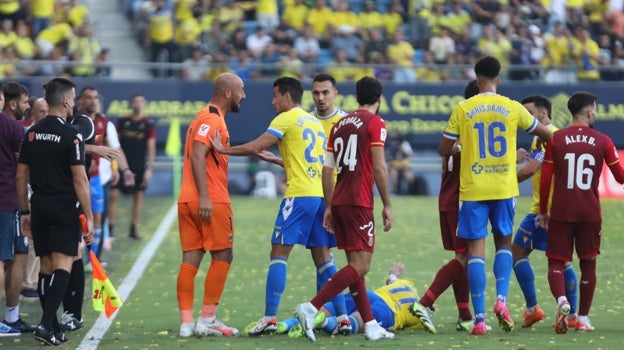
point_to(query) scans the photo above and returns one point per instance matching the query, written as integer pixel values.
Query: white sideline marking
(93, 337)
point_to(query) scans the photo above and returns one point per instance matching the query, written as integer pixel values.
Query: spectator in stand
(214, 39)
(376, 43)
(102, 68)
(187, 36)
(465, 45)
(194, 68)
(559, 51)
(84, 48)
(587, 56)
(77, 14)
(267, 14)
(437, 19)
(308, 45)
(344, 16)
(294, 16)
(291, 66)
(183, 9)
(379, 62)
(8, 67)
(320, 17)
(428, 71)
(238, 40)
(159, 37)
(231, 17)
(23, 44)
(41, 11)
(258, 42)
(393, 18)
(52, 36)
(340, 68)
(346, 40)
(218, 66)
(269, 59)
(458, 18)
(7, 34)
(283, 39)
(13, 10)
(520, 55)
(243, 65)
(401, 54)
(442, 46)
(370, 18)
(483, 12)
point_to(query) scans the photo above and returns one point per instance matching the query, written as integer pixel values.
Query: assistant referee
(52, 159)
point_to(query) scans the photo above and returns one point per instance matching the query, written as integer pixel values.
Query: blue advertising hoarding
(420, 110)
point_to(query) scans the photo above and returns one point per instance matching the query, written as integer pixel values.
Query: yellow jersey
(487, 126)
(535, 179)
(399, 295)
(42, 8)
(301, 141)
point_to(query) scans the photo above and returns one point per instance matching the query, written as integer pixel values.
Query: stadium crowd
(400, 40)
(49, 38)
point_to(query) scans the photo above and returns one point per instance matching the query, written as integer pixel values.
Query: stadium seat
(382, 5)
(250, 27)
(356, 5)
(418, 56)
(325, 56)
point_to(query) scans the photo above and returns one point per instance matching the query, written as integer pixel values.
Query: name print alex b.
(579, 139)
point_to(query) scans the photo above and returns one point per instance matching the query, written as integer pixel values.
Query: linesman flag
(105, 297)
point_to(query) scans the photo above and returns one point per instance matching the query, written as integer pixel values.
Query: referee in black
(52, 159)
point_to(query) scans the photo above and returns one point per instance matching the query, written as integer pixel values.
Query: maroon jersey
(99, 124)
(448, 200)
(575, 155)
(350, 143)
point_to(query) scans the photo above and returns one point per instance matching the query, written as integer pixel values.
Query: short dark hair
(579, 100)
(290, 85)
(488, 67)
(56, 89)
(368, 90)
(13, 91)
(471, 89)
(321, 77)
(539, 101)
(85, 89)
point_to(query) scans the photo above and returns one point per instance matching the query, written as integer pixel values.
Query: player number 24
(346, 154)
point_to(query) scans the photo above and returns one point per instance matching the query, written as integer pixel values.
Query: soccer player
(137, 136)
(356, 150)
(530, 234)
(205, 216)
(390, 305)
(572, 164)
(52, 157)
(487, 124)
(454, 272)
(301, 139)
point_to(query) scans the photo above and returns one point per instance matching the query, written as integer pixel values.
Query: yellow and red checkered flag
(105, 297)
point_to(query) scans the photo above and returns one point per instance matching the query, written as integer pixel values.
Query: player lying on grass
(390, 305)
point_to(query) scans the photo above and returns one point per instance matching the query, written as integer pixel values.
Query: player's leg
(218, 237)
(571, 283)
(137, 205)
(472, 226)
(587, 242)
(320, 244)
(528, 237)
(559, 250)
(502, 218)
(192, 255)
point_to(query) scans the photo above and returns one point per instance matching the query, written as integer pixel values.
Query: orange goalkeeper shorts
(197, 234)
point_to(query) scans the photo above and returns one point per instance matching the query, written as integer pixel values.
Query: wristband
(24, 212)
(114, 164)
(537, 155)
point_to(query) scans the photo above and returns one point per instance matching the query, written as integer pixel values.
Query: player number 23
(312, 139)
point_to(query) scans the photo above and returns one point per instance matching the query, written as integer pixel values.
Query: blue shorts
(298, 222)
(381, 311)
(474, 216)
(12, 240)
(97, 195)
(530, 234)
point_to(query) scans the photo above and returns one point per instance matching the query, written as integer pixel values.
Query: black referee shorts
(55, 225)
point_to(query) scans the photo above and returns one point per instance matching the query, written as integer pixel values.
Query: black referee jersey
(50, 148)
